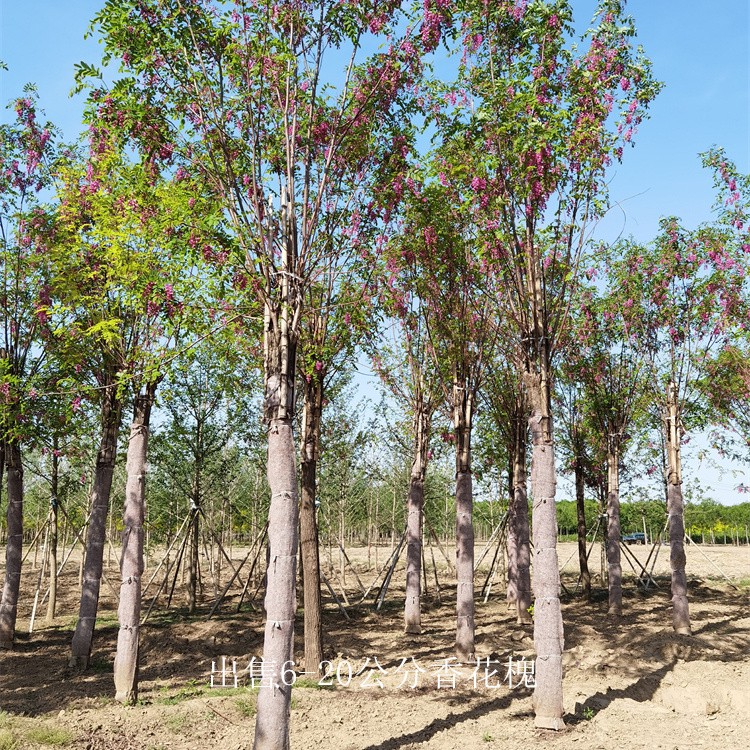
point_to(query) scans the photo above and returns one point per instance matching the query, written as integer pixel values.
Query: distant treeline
(707, 521)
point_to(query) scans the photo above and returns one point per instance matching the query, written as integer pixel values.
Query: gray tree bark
(415, 506)
(308, 523)
(53, 532)
(193, 532)
(583, 562)
(676, 514)
(519, 522)
(275, 693)
(614, 564)
(463, 406)
(92, 566)
(131, 562)
(548, 624)
(14, 544)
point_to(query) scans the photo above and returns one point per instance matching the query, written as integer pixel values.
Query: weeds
(312, 684)
(246, 706)
(176, 723)
(7, 740)
(50, 736)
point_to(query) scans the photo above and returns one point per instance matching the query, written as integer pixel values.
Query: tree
(505, 410)
(123, 272)
(682, 296)
(26, 154)
(727, 381)
(407, 371)
(439, 242)
(240, 94)
(610, 366)
(334, 319)
(539, 114)
(579, 453)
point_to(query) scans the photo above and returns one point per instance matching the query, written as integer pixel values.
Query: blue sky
(700, 50)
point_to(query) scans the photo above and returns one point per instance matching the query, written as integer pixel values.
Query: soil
(629, 684)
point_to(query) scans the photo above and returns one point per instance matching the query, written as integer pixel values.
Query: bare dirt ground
(628, 684)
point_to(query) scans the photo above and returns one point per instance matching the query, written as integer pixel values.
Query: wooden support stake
(259, 541)
(387, 581)
(333, 594)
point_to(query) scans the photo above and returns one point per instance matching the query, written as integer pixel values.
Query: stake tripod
(77, 538)
(499, 537)
(192, 517)
(257, 541)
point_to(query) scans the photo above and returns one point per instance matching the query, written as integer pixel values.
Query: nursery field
(628, 684)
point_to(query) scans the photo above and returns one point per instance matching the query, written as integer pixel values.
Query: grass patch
(107, 619)
(183, 694)
(176, 723)
(246, 706)
(8, 740)
(312, 684)
(101, 666)
(228, 692)
(53, 736)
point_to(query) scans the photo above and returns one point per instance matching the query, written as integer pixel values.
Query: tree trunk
(548, 625)
(308, 524)
(92, 566)
(2, 471)
(462, 420)
(581, 516)
(675, 511)
(511, 591)
(414, 506)
(131, 562)
(53, 532)
(519, 521)
(196, 499)
(275, 693)
(614, 566)
(14, 544)
(194, 540)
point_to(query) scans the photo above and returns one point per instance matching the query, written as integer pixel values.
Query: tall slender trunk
(462, 422)
(194, 536)
(675, 511)
(614, 566)
(131, 562)
(414, 507)
(92, 566)
(583, 562)
(53, 532)
(308, 523)
(193, 531)
(511, 591)
(548, 624)
(275, 693)
(2, 467)
(519, 518)
(14, 544)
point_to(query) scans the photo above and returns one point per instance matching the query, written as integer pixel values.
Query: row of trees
(243, 215)
(706, 521)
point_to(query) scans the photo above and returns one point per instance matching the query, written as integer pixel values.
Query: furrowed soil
(628, 684)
